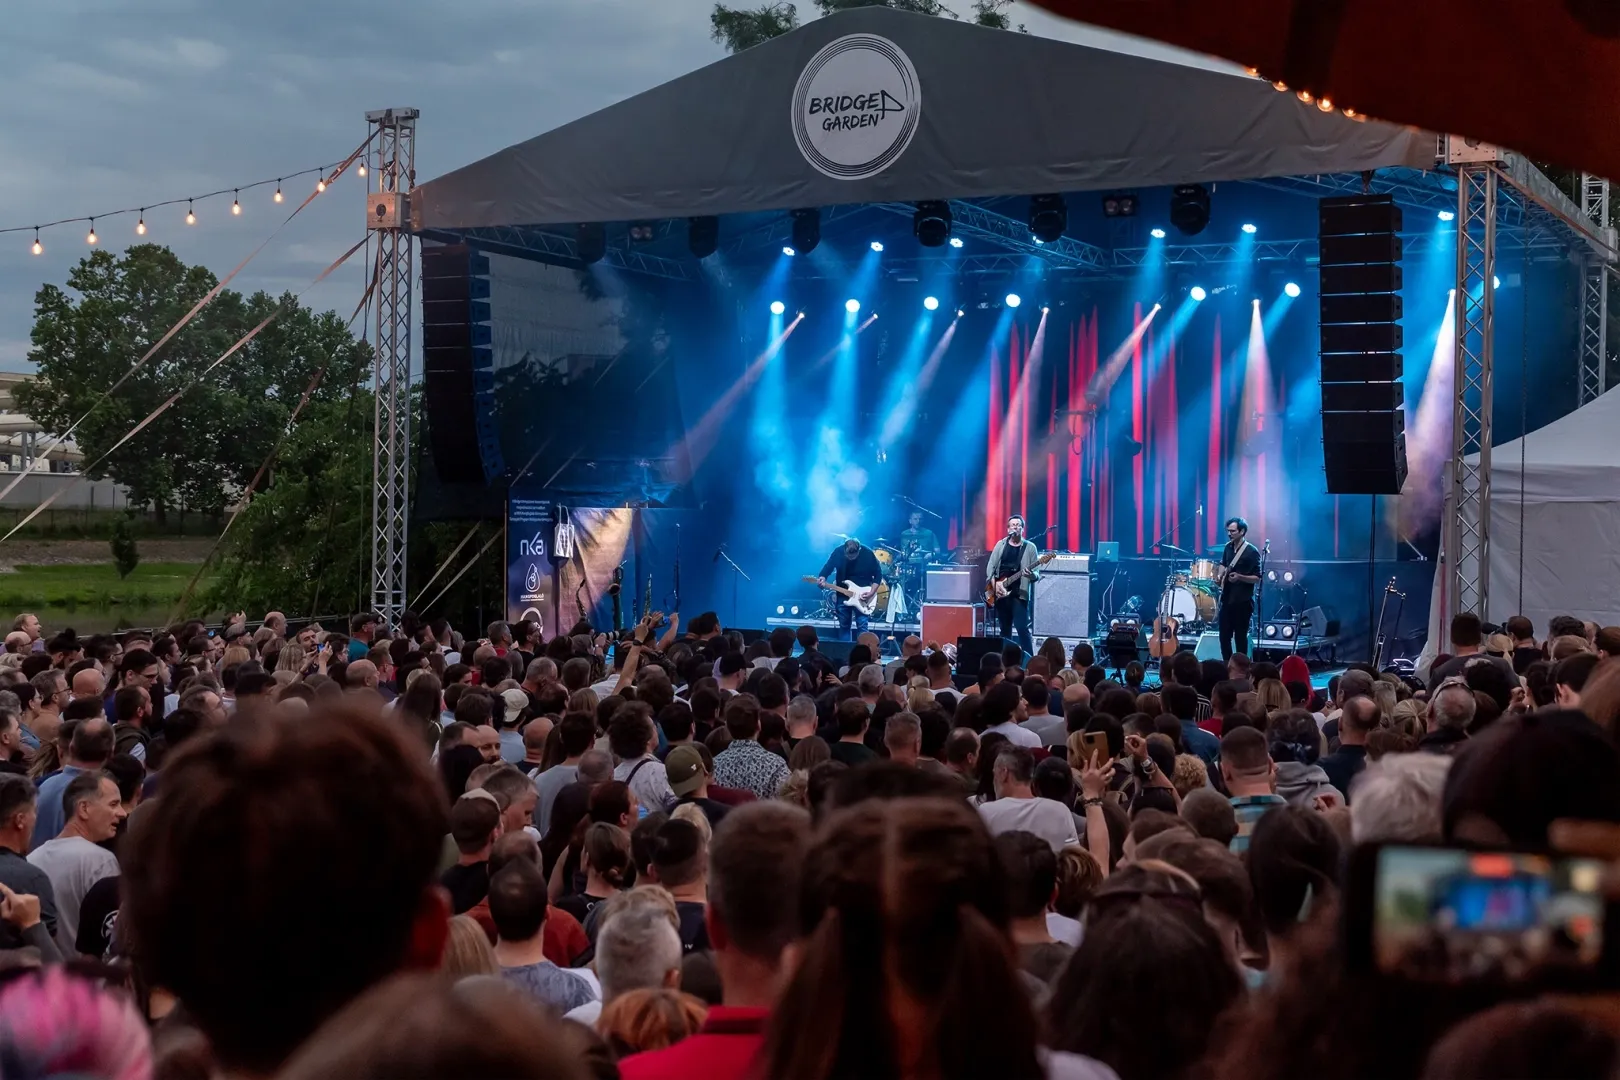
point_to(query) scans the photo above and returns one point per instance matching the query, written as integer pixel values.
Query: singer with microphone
(1237, 576)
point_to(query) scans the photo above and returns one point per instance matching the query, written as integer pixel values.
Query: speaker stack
(458, 369)
(1363, 416)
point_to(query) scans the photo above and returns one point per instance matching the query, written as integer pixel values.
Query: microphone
(718, 552)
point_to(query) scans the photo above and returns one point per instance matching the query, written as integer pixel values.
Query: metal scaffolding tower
(1594, 346)
(1468, 523)
(393, 164)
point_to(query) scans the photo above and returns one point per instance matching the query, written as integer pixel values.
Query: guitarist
(1239, 574)
(1015, 555)
(852, 562)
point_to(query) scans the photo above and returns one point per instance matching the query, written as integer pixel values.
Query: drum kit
(900, 595)
(1190, 596)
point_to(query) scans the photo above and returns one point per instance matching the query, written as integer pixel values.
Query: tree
(204, 450)
(738, 28)
(126, 555)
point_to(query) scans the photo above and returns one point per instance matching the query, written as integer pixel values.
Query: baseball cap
(516, 701)
(685, 768)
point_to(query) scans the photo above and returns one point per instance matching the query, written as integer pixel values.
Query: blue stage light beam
(898, 417)
(1109, 371)
(772, 449)
(695, 445)
(967, 425)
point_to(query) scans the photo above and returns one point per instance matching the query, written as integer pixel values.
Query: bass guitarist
(1237, 575)
(852, 563)
(1015, 557)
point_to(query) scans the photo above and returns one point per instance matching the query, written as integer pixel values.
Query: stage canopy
(1564, 528)
(875, 105)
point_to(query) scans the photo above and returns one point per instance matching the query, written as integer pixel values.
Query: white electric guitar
(862, 598)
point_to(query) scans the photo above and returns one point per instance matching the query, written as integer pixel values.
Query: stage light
(1288, 631)
(1189, 208)
(852, 305)
(1013, 300)
(793, 609)
(1249, 228)
(591, 239)
(702, 236)
(931, 303)
(1290, 289)
(1270, 630)
(1156, 232)
(956, 241)
(1046, 309)
(641, 232)
(778, 308)
(1198, 293)
(781, 609)
(1119, 205)
(1288, 577)
(1496, 282)
(1448, 215)
(787, 249)
(1048, 217)
(1271, 575)
(806, 230)
(877, 245)
(931, 224)
(960, 313)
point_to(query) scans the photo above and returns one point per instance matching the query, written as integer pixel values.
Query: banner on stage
(530, 573)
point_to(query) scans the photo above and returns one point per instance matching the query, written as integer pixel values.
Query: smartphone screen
(1453, 916)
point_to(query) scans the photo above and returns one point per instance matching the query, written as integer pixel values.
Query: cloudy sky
(120, 103)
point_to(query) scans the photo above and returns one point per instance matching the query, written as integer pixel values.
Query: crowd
(375, 851)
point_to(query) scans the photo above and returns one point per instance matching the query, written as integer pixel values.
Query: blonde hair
(292, 657)
(234, 654)
(693, 813)
(1273, 695)
(1068, 677)
(919, 698)
(642, 1020)
(584, 701)
(467, 950)
(1190, 774)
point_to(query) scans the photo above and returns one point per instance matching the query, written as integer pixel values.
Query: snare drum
(1203, 570)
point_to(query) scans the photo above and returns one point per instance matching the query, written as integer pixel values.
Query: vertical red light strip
(1050, 406)
(1172, 439)
(1138, 427)
(1213, 511)
(992, 467)
(1105, 459)
(1030, 390)
(1072, 424)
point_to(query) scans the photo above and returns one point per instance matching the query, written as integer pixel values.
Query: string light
(320, 185)
(91, 239)
(1324, 104)
(1305, 96)
(140, 226)
(236, 203)
(1280, 86)
(39, 248)
(278, 190)
(191, 217)
(362, 170)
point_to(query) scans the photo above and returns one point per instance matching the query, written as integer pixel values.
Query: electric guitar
(999, 588)
(862, 598)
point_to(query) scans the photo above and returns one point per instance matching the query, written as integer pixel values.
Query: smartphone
(1464, 917)
(1096, 745)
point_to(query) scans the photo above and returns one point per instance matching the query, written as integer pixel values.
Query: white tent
(1569, 517)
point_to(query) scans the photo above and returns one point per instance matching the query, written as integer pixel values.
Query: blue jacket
(1198, 741)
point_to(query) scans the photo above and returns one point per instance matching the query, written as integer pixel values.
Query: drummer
(918, 544)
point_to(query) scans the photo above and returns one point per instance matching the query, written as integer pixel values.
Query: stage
(1107, 322)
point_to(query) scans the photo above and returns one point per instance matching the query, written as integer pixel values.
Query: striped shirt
(1249, 810)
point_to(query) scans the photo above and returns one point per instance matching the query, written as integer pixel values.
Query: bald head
(92, 742)
(595, 767)
(18, 641)
(911, 646)
(1077, 694)
(89, 683)
(361, 673)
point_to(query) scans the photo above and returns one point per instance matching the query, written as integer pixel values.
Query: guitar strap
(1237, 553)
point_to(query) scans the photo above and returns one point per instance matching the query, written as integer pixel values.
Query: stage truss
(393, 154)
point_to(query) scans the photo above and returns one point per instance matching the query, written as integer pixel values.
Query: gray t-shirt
(1046, 818)
(547, 784)
(550, 985)
(73, 864)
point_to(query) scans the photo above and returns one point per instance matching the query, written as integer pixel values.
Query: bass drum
(1206, 604)
(1181, 604)
(1203, 570)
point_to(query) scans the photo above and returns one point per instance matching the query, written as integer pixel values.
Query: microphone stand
(739, 575)
(1260, 598)
(1379, 635)
(1172, 532)
(677, 606)
(919, 507)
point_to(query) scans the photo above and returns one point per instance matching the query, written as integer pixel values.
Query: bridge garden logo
(856, 107)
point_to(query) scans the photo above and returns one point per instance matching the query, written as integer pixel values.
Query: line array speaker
(458, 372)
(1363, 418)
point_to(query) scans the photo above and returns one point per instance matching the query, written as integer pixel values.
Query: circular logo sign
(856, 107)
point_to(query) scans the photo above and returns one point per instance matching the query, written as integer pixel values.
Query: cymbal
(881, 539)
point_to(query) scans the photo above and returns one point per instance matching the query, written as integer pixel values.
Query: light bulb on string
(362, 169)
(278, 189)
(39, 248)
(320, 185)
(140, 226)
(236, 203)
(191, 217)
(91, 238)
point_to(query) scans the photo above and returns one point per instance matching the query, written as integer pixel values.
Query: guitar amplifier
(1063, 603)
(1067, 562)
(955, 584)
(945, 623)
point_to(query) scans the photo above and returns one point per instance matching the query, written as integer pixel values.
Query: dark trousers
(1234, 627)
(1013, 614)
(847, 615)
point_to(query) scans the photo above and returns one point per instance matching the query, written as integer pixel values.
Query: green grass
(95, 586)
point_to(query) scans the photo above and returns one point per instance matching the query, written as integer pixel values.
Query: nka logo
(535, 546)
(856, 107)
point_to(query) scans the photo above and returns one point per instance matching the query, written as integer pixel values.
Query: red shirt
(723, 1049)
(562, 938)
(1213, 725)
